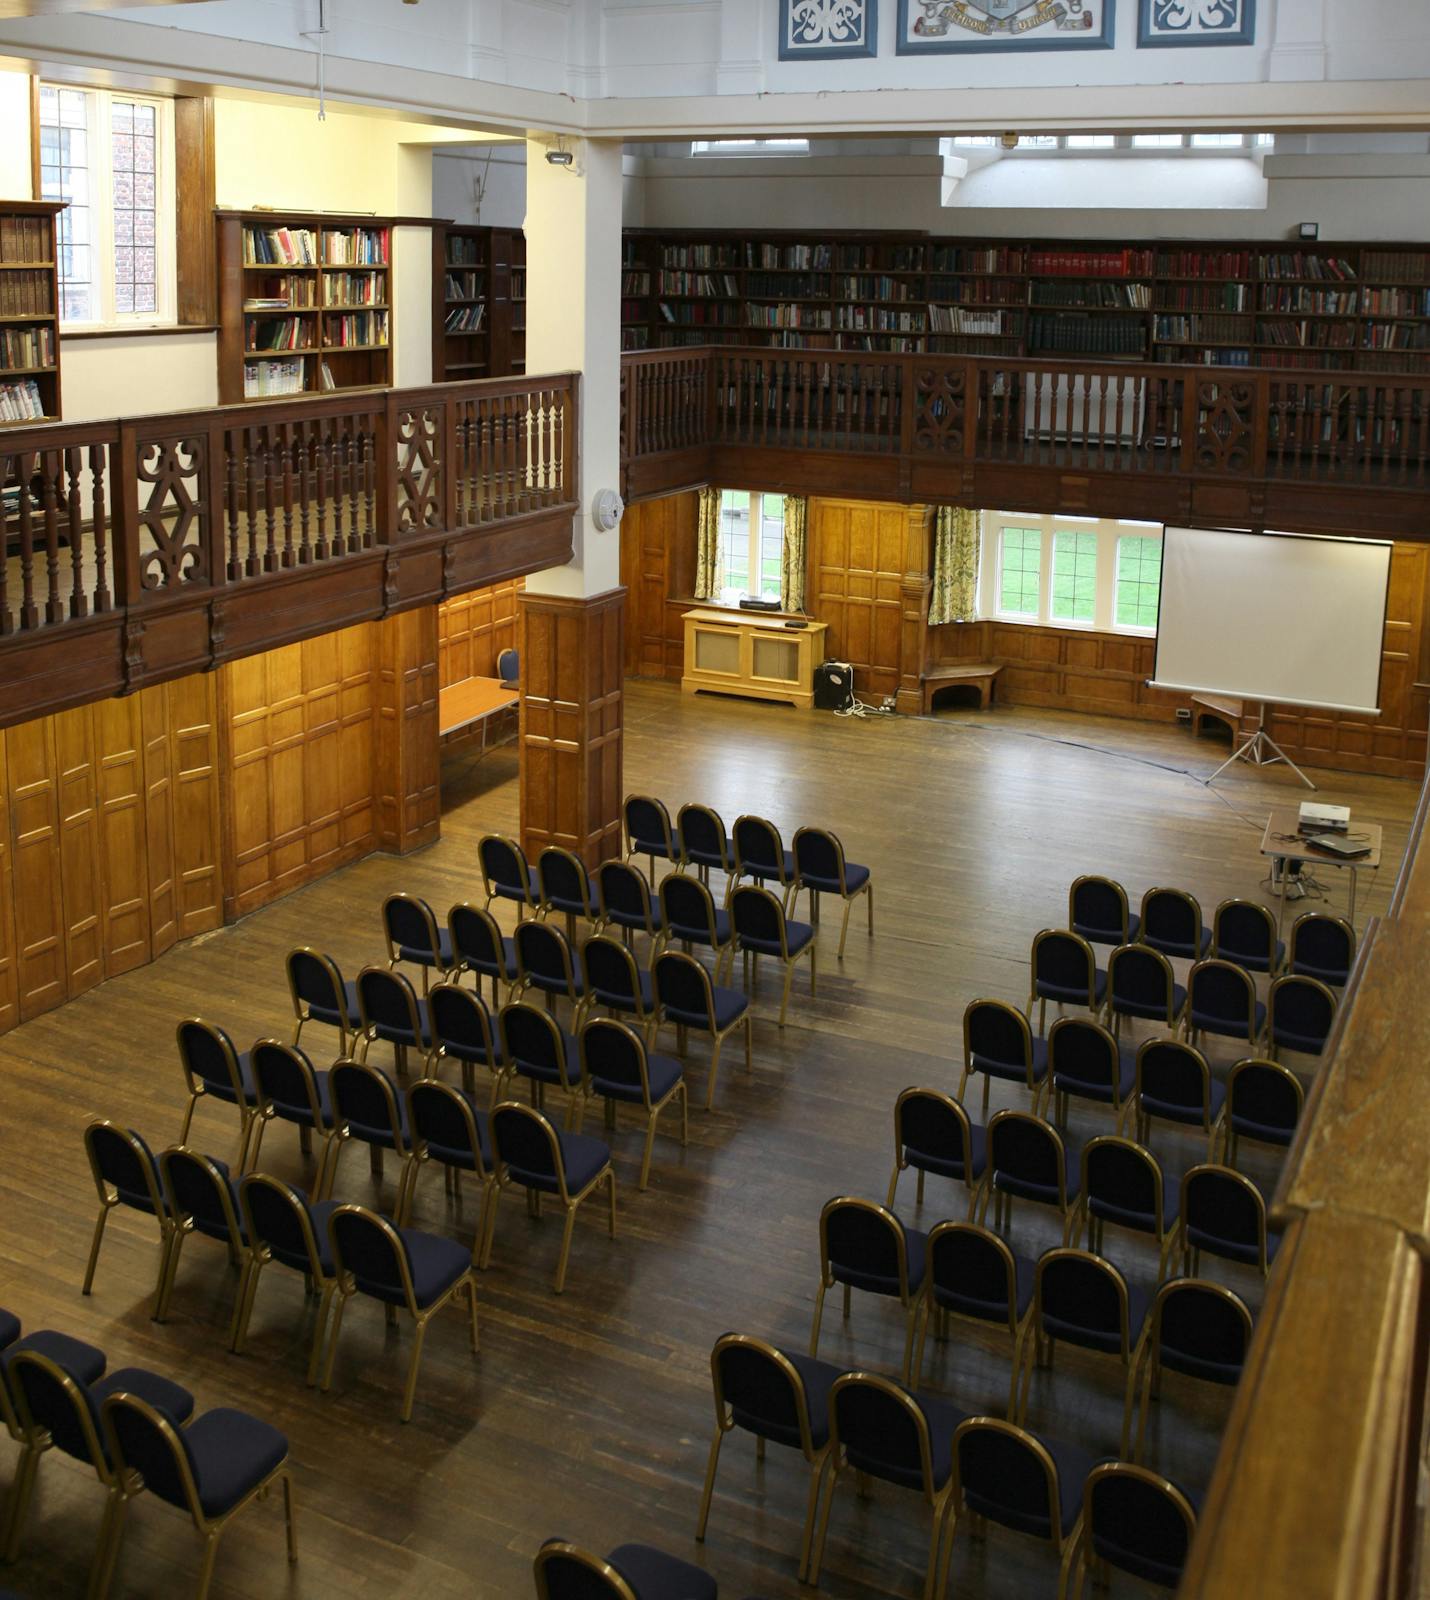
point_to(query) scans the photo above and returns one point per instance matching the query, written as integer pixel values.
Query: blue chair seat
(1014, 1073)
(214, 1230)
(458, 1051)
(1253, 960)
(1336, 977)
(656, 847)
(877, 1283)
(855, 878)
(173, 1399)
(1045, 1193)
(709, 858)
(9, 1329)
(1025, 1276)
(319, 1212)
(1102, 1092)
(302, 1114)
(395, 1035)
(1179, 950)
(452, 1156)
(1195, 1366)
(329, 1014)
(420, 953)
(797, 936)
(383, 1136)
(1098, 935)
(1207, 1022)
(952, 1166)
(512, 891)
(759, 872)
(622, 1001)
(224, 1091)
(436, 1263)
(1174, 1111)
(1306, 1044)
(231, 1451)
(551, 984)
(1073, 1467)
(1142, 1221)
(550, 1074)
(943, 1420)
(82, 1361)
(1152, 1008)
(1073, 994)
(702, 935)
(1233, 1251)
(662, 1072)
(818, 1378)
(1094, 1339)
(653, 1575)
(583, 1157)
(503, 967)
(1267, 1133)
(730, 1006)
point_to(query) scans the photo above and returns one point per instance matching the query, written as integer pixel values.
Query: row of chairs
(137, 1430)
(1242, 931)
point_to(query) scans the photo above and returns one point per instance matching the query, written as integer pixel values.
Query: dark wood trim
(84, 335)
(36, 183)
(194, 190)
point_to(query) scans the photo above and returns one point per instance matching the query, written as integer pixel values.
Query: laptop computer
(1336, 845)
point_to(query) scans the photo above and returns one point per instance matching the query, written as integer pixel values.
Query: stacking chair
(564, 886)
(1322, 947)
(214, 1069)
(688, 999)
(1066, 972)
(545, 960)
(1098, 911)
(1013, 1477)
(998, 1042)
(1223, 1214)
(650, 833)
(1140, 984)
(865, 1246)
(933, 1133)
(82, 1361)
(1263, 1104)
(447, 1128)
(568, 1166)
(507, 875)
(481, 948)
(390, 1009)
(1087, 1063)
(320, 994)
(1081, 1299)
(1172, 923)
(404, 1269)
(201, 1199)
(760, 855)
(281, 1226)
(462, 1031)
(535, 1047)
(624, 893)
(631, 1572)
(822, 869)
(763, 930)
(368, 1108)
(210, 1469)
(690, 916)
(509, 668)
(1198, 1329)
(775, 1394)
(1221, 999)
(291, 1089)
(1244, 931)
(125, 1174)
(971, 1272)
(1175, 1084)
(1027, 1160)
(1123, 1183)
(1299, 1014)
(702, 833)
(616, 1065)
(55, 1408)
(878, 1427)
(414, 935)
(1133, 1520)
(612, 978)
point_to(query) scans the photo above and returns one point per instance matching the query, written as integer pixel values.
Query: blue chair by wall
(509, 667)
(1223, 1214)
(1198, 1329)
(1133, 1520)
(1263, 1104)
(1324, 947)
(1299, 1015)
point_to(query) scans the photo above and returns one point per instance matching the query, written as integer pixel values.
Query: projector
(1318, 818)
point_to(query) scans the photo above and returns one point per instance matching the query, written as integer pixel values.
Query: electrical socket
(1184, 713)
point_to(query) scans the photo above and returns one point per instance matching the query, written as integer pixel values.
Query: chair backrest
(1098, 905)
(610, 969)
(761, 1388)
(532, 1037)
(1065, 959)
(757, 914)
(933, 1123)
(476, 937)
(1322, 946)
(1121, 1173)
(1171, 917)
(612, 1053)
(197, 1189)
(758, 845)
(544, 953)
(563, 879)
(508, 665)
(369, 1248)
(286, 1079)
(387, 1004)
(624, 892)
(441, 1118)
(1138, 1521)
(208, 1057)
(861, 1240)
(1243, 928)
(51, 1400)
(819, 854)
(1301, 1007)
(702, 832)
(972, 1262)
(682, 984)
(1225, 1205)
(688, 907)
(461, 1022)
(882, 1429)
(1139, 975)
(1081, 1050)
(120, 1160)
(276, 1215)
(142, 1439)
(1176, 1073)
(1225, 991)
(998, 1032)
(1204, 1321)
(504, 865)
(648, 822)
(526, 1142)
(409, 923)
(567, 1572)
(1027, 1148)
(314, 980)
(1081, 1291)
(1264, 1093)
(1007, 1473)
(365, 1100)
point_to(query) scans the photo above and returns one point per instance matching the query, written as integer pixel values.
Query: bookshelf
(1328, 306)
(305, 303)
(29, 313)
(478, 302)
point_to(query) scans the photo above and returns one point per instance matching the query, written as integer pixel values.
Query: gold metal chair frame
(463, 963)
(347, 1030)
(649, 1020)
(368, 1034)
(570, 1203)
(1079, 1563)
(571, 1079)
(529, 902)
(1112, 883)
(1002, 1198)
(784, 957)
(724, 954)
(434, 938)
(1191, 1033)
(452, 1175)
(1143, 1119)
(606, 919)
(109, 1200)
(725, 1423)
(1112, 1016)
(1190, 900)
(1319, 916)
(652, 1108)
(1286, 981)
(727, 851)
(1256, 908)
(620, 1589)
(1041, 938)
(198, 1088)
(266, 1112)
(342, 1133)
(929, 1307)
(866, 888)
(544, 907)
(941, 1501)
(1224, 1131)
(182, 1222)
(901, 1164)
(907, 1298)
(673, 857)
(716, 1035)
(259, 1256)
(130, 1484)
(1151, 1359)
(787, 882)
(570, 965)
(1036, 1089)
(1082, 1211)
(1059, 1097)
(1192, 1256)
(439, 1053)
(421, 1316)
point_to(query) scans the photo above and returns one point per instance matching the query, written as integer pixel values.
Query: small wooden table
(980, 675)
(753, 654)
(1222, 707)
(1282, 841)
(466, 708)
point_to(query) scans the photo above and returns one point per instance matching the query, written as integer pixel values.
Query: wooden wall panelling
(193, 730)
(82, 885)
(35, 835)
(474, 628)
(195, 184)
(122, 835)
(9, 978)
(407, 776)
(159, 864)
(857, 562)
(658, 539)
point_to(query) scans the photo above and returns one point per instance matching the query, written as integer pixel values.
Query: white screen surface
(1273, 616)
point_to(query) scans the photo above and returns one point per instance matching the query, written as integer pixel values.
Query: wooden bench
(980, 675)
(1219, 707)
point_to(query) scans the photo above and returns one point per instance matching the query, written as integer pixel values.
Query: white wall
(15, 136)
(499, 168)
(130, 377)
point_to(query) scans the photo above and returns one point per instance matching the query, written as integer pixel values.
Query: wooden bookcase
(478, 302)
(326, 285)
(1327, 306)
(29, 313)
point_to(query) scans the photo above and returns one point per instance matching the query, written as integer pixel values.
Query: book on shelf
(1080, 334)
(700, 256)
(28, 347)
(278, 333)
(1091, 263)
(354, 329)
(355, 247)
(325, 376)
(1299, 264)
(1214, 329)
(1110, 296)
(20, 401)
(1318, 302)
(1204, 296)
(721, 286)
(978, 291)
(463, 251)
(787, 285)
(959, 258)
(265, 379)
(1204, 263)
(956, 319)
(25, 239)
(26, 294)
(635, 283)
(465, 319)
(353, 289)
(1410, 266)
(280, 247)
(1396, 302)
(463, 285)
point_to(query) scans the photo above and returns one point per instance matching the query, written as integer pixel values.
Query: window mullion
(757, 529)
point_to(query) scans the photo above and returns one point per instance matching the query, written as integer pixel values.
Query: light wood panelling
(474, 628)
(192, 709)
(159, 845)
(658, 566)
(408, 769)
(81, 879)
(122, 833)
(35, 836)
(9, 980)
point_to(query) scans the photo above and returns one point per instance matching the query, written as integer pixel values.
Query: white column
(573, 323)
(1298, 51)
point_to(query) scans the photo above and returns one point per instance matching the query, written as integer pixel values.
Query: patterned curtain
(707, 546)
(955, 566)
(792, 563)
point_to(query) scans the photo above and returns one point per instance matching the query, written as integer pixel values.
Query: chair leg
(714, 1068)
(342, 1301)
(168, 1270)
(784, 997)
(409, 1393)
(844, 928)
(105, 1208)
(188, 1119)
(206, 1569)
(749, 1037)
(893, 1184)
(611, 1185)
(714, 1460)
(239, 1324)
(1070, 1574)
(565, 1248)
(817, 1553)
(911, 1316)
(1019, 1339)
(649, 1141)
(323, 1304)
(491, 1226)
(916, 1366)
(813, 971)
(818, 1318)
(107, 1556)
(21, 1491)
(816, 1481)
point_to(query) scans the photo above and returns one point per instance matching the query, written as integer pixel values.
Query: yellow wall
(129, 377)
(15, 136)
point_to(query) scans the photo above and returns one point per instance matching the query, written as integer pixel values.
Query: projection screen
(1288, 617)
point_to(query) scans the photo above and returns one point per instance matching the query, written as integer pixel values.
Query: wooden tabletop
(471, 699)
(732, 618)
(1286, 820)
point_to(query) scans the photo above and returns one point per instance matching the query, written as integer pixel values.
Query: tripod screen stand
(1260, 750)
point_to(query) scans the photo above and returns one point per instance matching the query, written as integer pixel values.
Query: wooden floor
(589, 1416)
